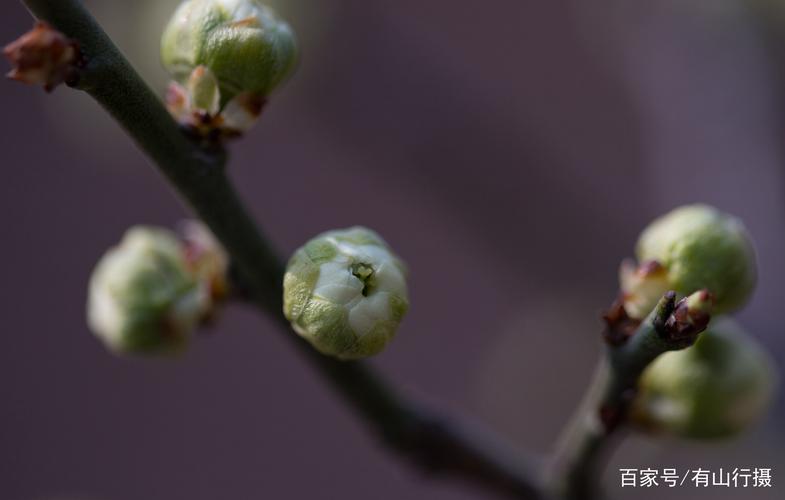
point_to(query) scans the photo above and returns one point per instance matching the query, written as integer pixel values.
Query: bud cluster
(723, 382)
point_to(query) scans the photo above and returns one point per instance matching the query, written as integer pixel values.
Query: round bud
(697, 247)
(713, 389)
(243, 43)
(142, 297)
(345, 292)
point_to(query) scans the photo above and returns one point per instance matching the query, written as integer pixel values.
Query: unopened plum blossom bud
(715, 388)
(243, 43)
(142, 296)
(691, 248)
(345, 292)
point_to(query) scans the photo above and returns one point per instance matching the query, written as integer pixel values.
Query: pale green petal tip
(700, 247)
(203, 89)
(715, 389)
(244, 43)
(345, 292)
(142, 297)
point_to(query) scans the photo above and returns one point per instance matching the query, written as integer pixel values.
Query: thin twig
(436, 444)
(589, 438)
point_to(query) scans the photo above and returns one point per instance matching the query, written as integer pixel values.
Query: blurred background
(510, 151)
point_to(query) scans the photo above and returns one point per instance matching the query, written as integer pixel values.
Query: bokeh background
(510, 150)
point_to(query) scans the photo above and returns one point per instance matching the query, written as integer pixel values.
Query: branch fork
(48, 55)
(670, 326)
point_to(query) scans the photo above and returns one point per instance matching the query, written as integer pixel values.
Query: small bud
(619, 327)
(716, 388)
(142, 296)
(688, 317)
(695, 308)
(345, 292)
(242, 42)
(691, 248)
(42, 56)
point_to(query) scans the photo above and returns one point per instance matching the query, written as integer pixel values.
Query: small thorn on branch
(44, 56)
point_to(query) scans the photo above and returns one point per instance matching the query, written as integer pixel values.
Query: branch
(583, 448)
(428, 440)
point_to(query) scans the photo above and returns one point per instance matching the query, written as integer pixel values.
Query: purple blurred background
(509, 150)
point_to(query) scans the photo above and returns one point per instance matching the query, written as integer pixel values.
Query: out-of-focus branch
(431, 441)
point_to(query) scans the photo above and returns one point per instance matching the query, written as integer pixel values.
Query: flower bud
(142, 296)
(345, 292)
(713, 389)
(242, 42)
(691, 248)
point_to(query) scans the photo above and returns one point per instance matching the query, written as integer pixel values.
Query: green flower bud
(142, 296)
(691, 248)
(713, 389)
(345, 292)
(242, 42)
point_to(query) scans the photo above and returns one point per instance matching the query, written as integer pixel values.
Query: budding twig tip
(681, 322)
